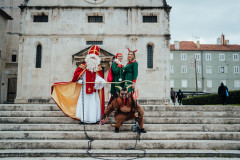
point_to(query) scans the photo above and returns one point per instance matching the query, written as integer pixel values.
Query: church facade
(55, 37)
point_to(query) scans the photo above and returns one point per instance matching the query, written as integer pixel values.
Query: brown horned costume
(125, 109)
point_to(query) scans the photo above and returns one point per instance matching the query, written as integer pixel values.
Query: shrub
(234, 98)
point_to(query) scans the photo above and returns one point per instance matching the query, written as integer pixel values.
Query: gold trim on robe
(66, 97)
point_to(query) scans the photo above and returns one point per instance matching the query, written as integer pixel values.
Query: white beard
(92, 64)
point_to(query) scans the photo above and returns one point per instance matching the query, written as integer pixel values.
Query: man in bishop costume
(83, 97)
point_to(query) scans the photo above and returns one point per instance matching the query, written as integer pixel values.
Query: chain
(91, 139)
(85, 132)
(83, 98)
(112, 82)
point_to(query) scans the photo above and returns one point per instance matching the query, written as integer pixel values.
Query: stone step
(52, 107)
(147, 120)
(146, 114)
(120, 144)
(124, 127)
(124, 135)
(122, 158)
(76, 154)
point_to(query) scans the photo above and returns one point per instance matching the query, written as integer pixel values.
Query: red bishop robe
(66, 94)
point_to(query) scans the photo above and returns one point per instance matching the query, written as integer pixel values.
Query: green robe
(116, 75)
(131, 73)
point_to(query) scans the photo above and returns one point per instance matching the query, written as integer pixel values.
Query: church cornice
(96, 7)
(87, 35)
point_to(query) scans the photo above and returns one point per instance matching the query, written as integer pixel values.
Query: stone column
(19, 98)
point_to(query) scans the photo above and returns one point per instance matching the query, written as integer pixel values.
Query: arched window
(149, 56)
(39, 56)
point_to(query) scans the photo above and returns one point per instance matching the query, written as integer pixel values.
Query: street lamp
(195, 65)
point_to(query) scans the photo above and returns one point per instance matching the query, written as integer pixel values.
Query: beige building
(215, 64)
(55, 35)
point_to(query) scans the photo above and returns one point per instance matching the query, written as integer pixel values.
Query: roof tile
(191, 46)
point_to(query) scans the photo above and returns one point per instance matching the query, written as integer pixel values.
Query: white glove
(80, 81)
(99, 85)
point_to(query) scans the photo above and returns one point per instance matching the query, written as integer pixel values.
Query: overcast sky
(207, 19)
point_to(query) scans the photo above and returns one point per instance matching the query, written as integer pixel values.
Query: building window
(171, 56)
(236, 69)
(14, 58)
(184, 83)
(95, 19)
(198, 69)
(171, 83)
(209, 83)
(183, 56)
(209, 69)
(221, 57)
(41, 18)
(208, 57)
(149, 19)
(236, 57)
(94, 42)
(39, 56)
(172, 69)
(236, 83)
(199, 84)
(223, 81)
(197, 56)
(149, 56)
(222, 69)
(183, 69)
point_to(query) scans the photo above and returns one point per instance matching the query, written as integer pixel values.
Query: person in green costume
(131, 71)
(117, 73)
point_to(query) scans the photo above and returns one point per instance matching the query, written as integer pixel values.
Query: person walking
(223, 93)
(173, 96)
(179, 96)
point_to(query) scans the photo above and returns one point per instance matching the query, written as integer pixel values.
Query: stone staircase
(42, 130)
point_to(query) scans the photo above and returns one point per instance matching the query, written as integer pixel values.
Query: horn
(128, 49)
(128, 86)
(119, 87)
(135, 51)
(128, 81)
